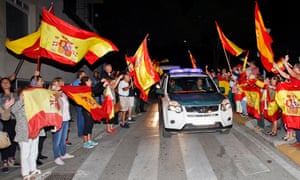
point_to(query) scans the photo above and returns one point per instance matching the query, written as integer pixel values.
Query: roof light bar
(185, 70)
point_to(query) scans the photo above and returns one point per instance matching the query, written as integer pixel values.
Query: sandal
(28, 177)
(36, 172)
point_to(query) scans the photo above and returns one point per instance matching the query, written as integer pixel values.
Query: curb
(284, 147)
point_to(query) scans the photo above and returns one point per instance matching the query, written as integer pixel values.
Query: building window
(16, 19)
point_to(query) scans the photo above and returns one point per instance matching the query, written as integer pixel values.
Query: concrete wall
(9, 62)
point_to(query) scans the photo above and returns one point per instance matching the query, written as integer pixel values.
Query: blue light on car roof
(185, 70)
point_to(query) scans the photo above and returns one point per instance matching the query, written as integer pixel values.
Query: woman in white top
(60, 136)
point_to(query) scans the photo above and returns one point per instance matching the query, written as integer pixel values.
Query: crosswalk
(141, 154)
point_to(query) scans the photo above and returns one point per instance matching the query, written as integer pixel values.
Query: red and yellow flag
(157, 67)
(108, 104)
(227, 44)
(143, 72)
(223, 82)
(28, 45)
(263, 40)
(193, 60)
(68, 44)
(253, 95)
(82, 95)
(288, 99)
(41, 109)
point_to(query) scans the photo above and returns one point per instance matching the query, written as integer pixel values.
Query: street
(140, 153)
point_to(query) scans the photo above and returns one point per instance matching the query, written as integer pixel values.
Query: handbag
(117, 107)
(4, 140)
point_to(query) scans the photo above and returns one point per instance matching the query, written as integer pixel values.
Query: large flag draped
(193, 60)
(68, 44)
(288, 99)
(227, 44)
(82, 95)
(41, 109)
(143, 72)
(263, 40)
(253, 94)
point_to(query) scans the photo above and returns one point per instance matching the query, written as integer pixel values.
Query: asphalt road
(140, 153)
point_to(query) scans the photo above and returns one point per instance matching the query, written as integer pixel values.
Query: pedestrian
(28, 146)
(123, 91)
(8, 154)
(88, 142)
(60, 136)
(80, 119)
(37, 81)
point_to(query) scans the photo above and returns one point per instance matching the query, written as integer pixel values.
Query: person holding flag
(293, 74)
(59, 137)
(28, 146)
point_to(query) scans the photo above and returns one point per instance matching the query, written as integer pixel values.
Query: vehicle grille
(201, 109)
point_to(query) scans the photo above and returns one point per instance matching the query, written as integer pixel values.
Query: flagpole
(226, 58)
(19, 66)
(38, 65)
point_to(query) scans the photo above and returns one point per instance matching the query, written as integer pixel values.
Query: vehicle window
(191, 85)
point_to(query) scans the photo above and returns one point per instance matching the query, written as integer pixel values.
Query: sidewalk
(277, 141)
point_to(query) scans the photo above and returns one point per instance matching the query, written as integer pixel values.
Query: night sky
(174, 26)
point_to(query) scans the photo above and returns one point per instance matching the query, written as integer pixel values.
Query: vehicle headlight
(175, 106)
(225, 105)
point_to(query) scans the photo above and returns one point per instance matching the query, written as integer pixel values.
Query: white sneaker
(58, 161)
(67, 156)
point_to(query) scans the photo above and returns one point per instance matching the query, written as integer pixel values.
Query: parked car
(190, 101)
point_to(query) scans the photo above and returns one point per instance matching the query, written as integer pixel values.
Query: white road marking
(87, 169)
(195, 160)
(244, 160)
(285, 165)
(146, 162)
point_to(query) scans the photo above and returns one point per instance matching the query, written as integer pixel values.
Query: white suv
(190, 101)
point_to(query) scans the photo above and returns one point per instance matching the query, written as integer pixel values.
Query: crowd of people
(13, 119)
(252, 95)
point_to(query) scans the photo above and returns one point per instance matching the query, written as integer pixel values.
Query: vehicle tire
(163, 132)
(225, 131)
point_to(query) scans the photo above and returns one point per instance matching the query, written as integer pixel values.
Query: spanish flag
(157, 67)
(41, 109)
(29, 45)
(288, 99)
(143, 72)
(280, 65)
(68, 44)
(223, 82)
(253, 95)
(82, 95)
(193, 60)
(263, 40)
(227, 44)
(108, 104)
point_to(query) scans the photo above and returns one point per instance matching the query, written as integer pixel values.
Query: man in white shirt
(123, 90)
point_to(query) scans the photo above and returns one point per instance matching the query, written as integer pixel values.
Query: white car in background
(186, 108)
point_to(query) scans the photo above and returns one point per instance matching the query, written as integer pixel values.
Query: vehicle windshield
(191, 85)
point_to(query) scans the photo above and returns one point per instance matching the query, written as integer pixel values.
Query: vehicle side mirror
(222, 89)
(159, 91)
